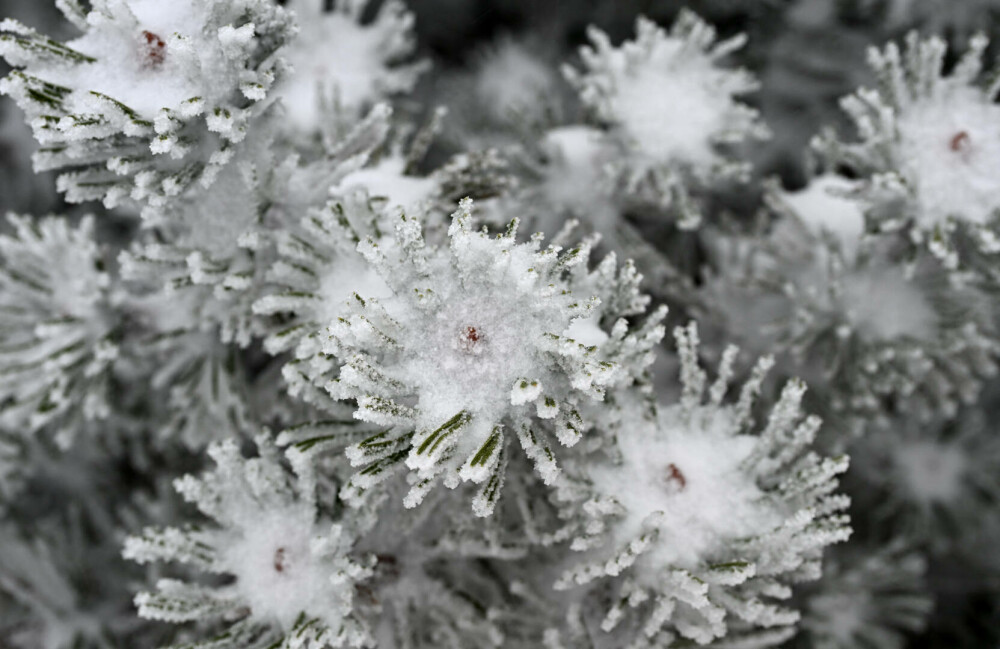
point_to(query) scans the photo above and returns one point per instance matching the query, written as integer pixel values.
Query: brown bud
(675, 476)
(469, 337)
(154, 49)
(960, 142)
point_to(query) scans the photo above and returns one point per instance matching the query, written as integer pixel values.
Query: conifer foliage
(343, 324)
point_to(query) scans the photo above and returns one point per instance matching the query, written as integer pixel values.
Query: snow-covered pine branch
(926, 145)
(704, 520)
(671, 106)
(394, 232)
(488, 338)
(152, 100)
(861, 320)
(293, 573)
(58, 326)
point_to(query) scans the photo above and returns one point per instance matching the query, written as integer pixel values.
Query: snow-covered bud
(151, 100)
(671, 106)
(926, 146)
(341, 66)
(293, 574)
(480, 340)
(707, 519)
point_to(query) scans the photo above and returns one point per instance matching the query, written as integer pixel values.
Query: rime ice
(949, 150)
(166, 89)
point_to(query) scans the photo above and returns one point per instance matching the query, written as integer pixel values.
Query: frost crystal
(483, 336)
(713, 522)
(57, 326)
(294, 578)
(482, 443)
(927, 145)
(669, 104)
(151, 100)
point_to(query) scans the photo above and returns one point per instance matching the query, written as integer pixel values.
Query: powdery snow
(340, 63)
(587, 331)
(346, 275)
(467, 354)
(950, 152)
(334, 60)
(277, 572)
(824, 207)
(672, 112)
(157, 57)
(692, 475)
(386, 178)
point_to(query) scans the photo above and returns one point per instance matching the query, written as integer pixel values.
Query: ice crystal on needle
(446, 285)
